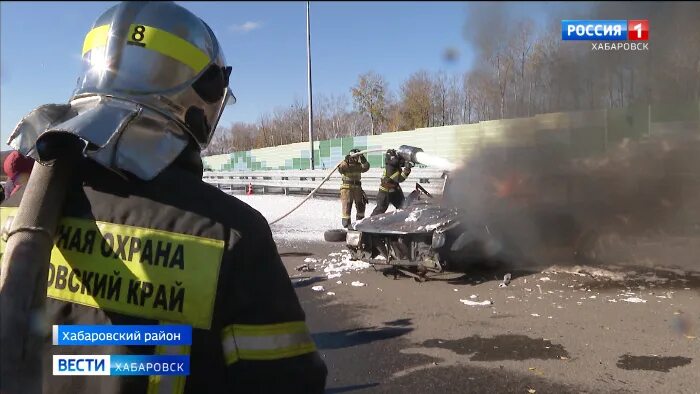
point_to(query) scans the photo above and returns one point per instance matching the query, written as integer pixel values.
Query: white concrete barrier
(286, 181)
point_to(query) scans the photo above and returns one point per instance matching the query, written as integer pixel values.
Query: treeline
(522, 70)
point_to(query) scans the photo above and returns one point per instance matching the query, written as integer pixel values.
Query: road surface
(554, 329)
(551, 330)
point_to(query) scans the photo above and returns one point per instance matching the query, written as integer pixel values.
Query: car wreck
(423, 239)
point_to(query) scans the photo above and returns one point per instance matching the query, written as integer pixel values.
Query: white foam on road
(475, 303)
(344, 265)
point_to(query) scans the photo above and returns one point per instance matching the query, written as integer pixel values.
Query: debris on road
(635, 300)
(473, 296)
(333, 276)
(545, 279)
(675, 271)
(358, 284)
(310, 260)
(535, 371)
(534, 315)
(506, 280)
(586, 271)
(304, 268)
(330, 293)
(476, 303)
(318, 288)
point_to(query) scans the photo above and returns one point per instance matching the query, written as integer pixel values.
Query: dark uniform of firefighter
(143, 240)
(389, 190)
(351, 189)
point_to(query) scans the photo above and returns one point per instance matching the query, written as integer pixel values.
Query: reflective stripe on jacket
(176, 250)
(352, 173)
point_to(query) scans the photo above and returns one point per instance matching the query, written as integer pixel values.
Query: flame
(508, 186)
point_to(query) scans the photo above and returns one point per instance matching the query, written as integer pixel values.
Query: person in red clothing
(17, 168)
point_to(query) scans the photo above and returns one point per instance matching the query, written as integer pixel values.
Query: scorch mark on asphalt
(651, 363)
(501, 347)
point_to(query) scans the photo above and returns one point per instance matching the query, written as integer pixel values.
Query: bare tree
(523, 42)
(438, 98)
(454, 100)
(416, 101)
(299, 119)
(369, 96)
(469, 95)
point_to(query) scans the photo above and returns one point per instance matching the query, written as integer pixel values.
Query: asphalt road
(558, 330)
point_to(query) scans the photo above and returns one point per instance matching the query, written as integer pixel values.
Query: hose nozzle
(409, 153)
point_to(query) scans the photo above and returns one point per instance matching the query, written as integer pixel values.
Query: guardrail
(289, 181)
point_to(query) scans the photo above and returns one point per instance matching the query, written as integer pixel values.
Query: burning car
(423, 239)
(532, 204)
(430, 235)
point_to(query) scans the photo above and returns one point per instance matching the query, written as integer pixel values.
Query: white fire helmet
(154, 77)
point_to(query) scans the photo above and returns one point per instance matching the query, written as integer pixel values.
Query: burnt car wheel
(335, 235)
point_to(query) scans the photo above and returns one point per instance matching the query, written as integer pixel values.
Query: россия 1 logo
(605, 30)
(608, 30)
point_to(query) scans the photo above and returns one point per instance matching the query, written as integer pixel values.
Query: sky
(264, 42)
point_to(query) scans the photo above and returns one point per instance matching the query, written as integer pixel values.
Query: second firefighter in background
(351, 189)
(390, 189)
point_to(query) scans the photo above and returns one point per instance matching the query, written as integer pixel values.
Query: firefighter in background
(17, 168)
(351, 189)
(154, 86)
(390, 189)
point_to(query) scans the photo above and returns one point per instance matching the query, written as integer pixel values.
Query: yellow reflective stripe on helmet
(96, 38)
(154, 39)
(266, 341)
(168, 384)
(170, 45)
